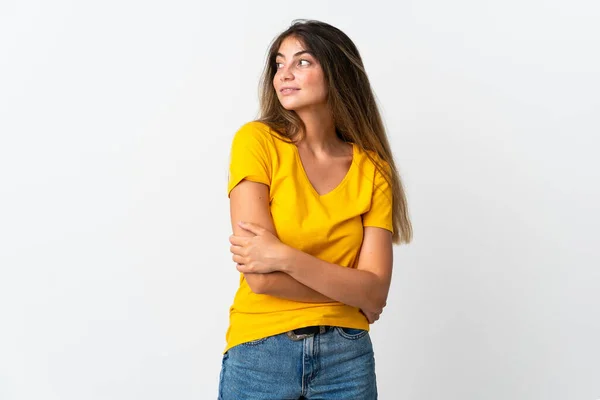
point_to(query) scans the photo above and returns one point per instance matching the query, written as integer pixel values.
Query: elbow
(257, 283)
(378, 294)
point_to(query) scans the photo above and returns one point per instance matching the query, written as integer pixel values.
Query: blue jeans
(337, 364)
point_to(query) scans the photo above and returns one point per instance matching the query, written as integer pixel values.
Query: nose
(285, 74)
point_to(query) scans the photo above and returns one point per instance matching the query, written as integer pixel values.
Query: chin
(291, 105)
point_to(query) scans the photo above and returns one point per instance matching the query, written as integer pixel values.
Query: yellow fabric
(328, 226)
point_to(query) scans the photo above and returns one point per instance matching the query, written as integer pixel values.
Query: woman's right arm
(249, 201)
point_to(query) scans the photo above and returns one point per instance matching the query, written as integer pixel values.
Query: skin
(272, 267)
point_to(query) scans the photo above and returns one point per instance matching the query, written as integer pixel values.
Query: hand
(259, 254)
(371, 316)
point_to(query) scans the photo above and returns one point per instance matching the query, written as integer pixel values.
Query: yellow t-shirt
(328, 226)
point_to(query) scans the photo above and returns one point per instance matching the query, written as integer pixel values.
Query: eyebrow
(295, 55)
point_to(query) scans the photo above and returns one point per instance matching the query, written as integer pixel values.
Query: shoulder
(258, 130)
(256, 133)
(252, 129)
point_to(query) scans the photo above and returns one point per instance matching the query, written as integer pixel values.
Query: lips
(288, 90)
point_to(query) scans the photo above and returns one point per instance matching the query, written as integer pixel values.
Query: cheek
(316, 81)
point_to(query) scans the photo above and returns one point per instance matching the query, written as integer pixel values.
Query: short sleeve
(380, 213)
(249, 157)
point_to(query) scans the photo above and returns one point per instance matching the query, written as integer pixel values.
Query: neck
(319, 135)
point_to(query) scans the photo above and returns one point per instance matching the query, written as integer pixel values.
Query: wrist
(289, 257)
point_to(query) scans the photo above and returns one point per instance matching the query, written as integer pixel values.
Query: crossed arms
(299, 276)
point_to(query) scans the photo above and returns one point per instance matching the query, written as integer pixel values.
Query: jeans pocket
(351, 333)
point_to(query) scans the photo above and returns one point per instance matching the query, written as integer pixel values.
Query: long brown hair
(350, 97)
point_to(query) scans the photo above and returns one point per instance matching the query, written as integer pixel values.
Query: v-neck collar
(309, 183)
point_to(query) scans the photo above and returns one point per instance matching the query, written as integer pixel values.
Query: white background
(116, 119)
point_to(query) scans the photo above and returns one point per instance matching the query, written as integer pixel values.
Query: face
(299, 80)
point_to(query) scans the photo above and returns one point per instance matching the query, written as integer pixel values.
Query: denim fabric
(337, 364)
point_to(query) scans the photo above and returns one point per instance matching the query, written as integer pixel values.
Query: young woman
(316, 204)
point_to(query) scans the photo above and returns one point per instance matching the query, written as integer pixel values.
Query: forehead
(291, 45)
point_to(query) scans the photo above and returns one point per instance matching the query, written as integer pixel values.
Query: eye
(277, 64)
(307, 62)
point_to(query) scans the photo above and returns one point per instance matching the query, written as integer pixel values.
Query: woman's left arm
(365, 287)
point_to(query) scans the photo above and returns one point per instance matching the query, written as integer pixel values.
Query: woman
(316, 204)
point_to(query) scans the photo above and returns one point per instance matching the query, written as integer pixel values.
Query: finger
(238, 240)
(239, 250)
(375, 316)
(245, 268)
(238, 259)
(249, 226)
